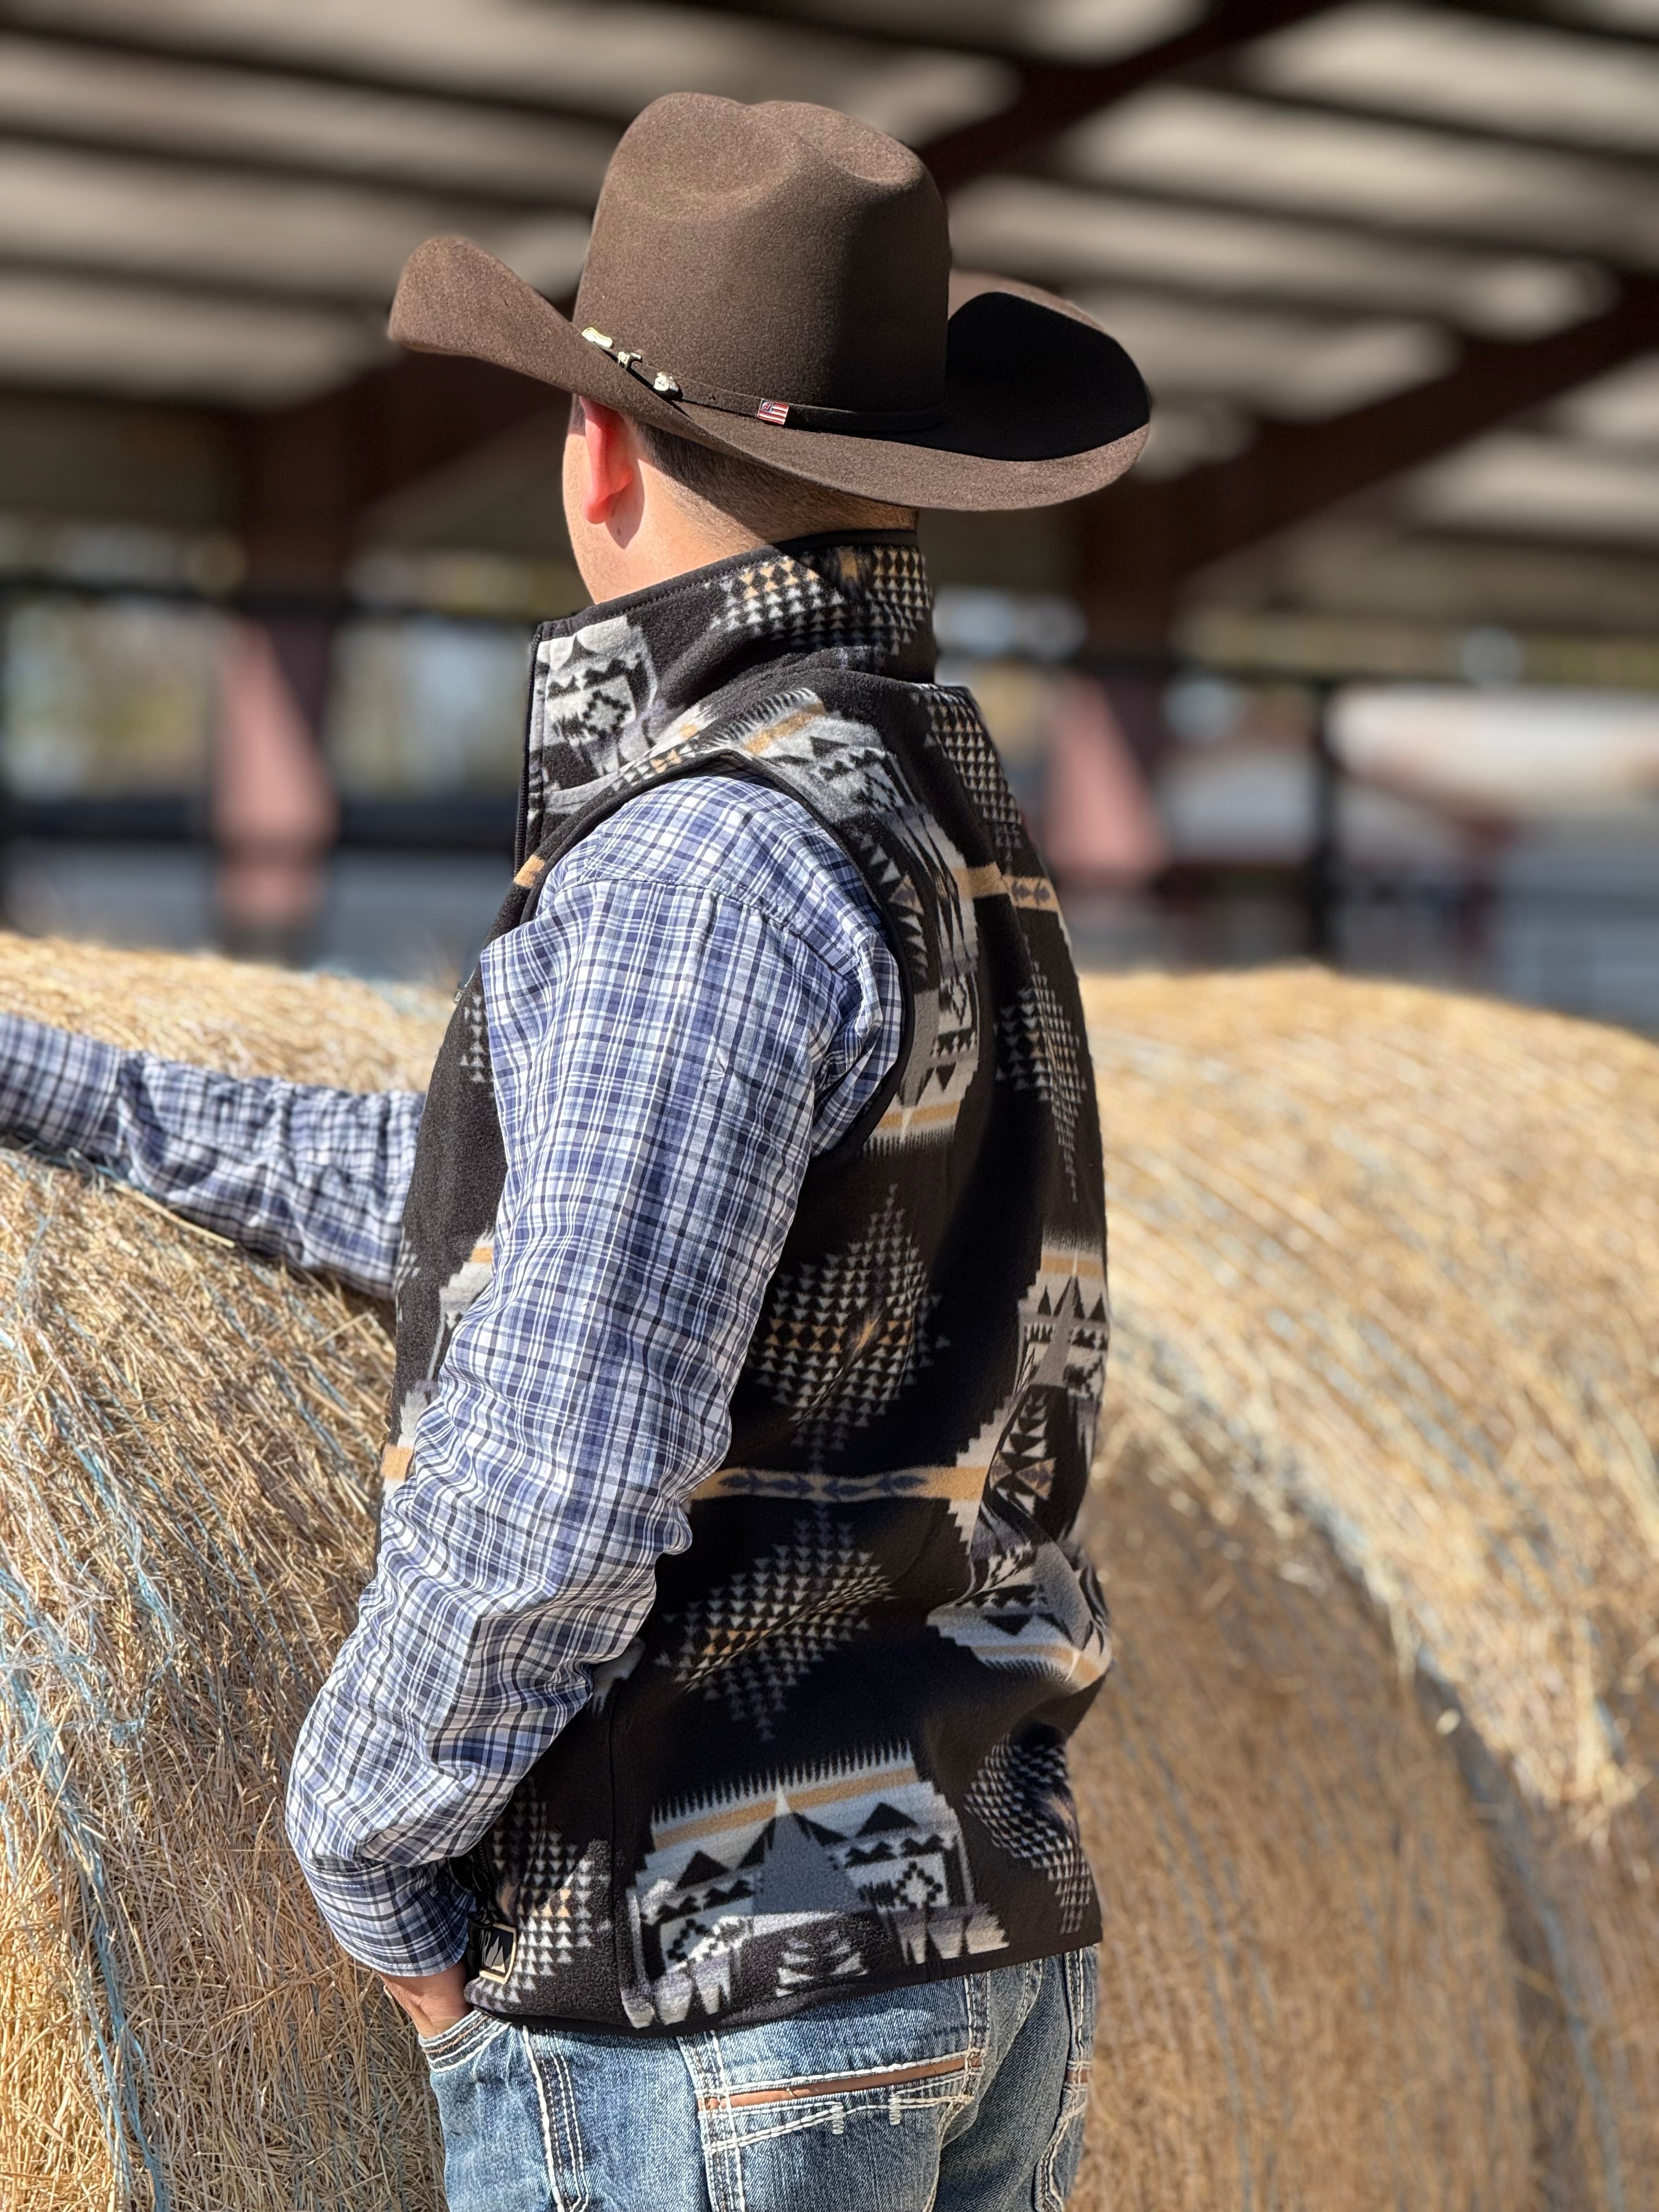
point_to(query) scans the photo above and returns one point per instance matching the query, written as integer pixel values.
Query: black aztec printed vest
(833, 1759)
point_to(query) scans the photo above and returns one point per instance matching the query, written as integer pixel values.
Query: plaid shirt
(705, 999)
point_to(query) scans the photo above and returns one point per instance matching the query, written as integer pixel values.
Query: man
(695, 1775)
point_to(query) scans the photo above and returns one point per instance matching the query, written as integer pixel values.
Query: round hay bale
(186, 1523)
(1306, 1994)
(1385, 1266)
(1308, 1998)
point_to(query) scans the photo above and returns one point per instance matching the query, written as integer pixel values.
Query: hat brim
(1041, 404)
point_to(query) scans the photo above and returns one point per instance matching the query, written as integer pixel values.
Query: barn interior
(1360, 662)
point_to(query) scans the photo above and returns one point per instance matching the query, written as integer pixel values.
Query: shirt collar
(607, 683)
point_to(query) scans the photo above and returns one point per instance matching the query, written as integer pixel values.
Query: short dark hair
(747, 491)
(706, 471)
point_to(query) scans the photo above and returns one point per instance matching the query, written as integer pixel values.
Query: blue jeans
(960, 2096)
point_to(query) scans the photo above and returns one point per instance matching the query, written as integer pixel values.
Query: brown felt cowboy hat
(776, 281)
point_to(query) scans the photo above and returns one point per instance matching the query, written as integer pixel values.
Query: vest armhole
(742, 769)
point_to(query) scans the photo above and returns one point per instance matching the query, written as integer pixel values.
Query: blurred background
(1361, 662)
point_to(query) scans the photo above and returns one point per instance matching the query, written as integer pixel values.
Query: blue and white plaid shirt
(704, 1000)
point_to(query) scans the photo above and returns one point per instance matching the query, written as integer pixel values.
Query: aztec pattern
(588, 691)
(751, 1639)
(1037, 1051)
(860, 596)
(818, 1874)
(1021, 1798)
(443, 1263)
(559, 1897)
(1033, 1604)
(872, 1298)
(836, 1750)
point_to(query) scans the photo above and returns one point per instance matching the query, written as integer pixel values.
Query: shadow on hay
(1371, 1312)
(1307, 1990)
(1386, 1272)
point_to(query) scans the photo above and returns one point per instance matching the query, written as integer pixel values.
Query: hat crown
(782, 250)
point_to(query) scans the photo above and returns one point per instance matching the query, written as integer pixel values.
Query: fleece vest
(833, 1760)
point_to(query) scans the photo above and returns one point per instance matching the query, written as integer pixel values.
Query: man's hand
(433, 2002)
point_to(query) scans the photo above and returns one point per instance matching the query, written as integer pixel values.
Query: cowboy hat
(776, 281)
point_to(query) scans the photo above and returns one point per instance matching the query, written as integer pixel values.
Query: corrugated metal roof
(209, 200)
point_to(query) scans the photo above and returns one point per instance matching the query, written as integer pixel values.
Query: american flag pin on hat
(773, 410)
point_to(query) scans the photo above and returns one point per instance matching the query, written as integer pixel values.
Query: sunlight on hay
(228, 1013)
(1377, 1454)
(1385, 1264)
(184, 1530)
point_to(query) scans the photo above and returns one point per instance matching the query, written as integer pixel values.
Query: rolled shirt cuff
(395, 1920)
(57, 1089)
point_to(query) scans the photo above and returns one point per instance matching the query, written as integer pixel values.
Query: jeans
(959, 2096)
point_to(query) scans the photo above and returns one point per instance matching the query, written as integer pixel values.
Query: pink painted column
(1100, 827)
(273, 810)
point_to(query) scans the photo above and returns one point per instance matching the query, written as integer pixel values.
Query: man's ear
(612, 469)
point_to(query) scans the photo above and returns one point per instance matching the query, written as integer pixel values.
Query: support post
(275, 814)
(1323, 869)
(274, 811)
(8, 808)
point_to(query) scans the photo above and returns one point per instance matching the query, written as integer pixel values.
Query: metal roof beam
(472, 202)
(180, 279)
(1548, 15)
(200, 47)
(1363, 229)
(1631, 167)
(1140, 541)
(1054, 95)
(872, 30)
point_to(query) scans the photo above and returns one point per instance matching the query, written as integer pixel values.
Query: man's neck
(664, 538)
(671, 537)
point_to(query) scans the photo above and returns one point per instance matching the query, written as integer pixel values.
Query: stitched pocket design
(458, 2041)
(1058, 2170)
(831, 2101)
(1061, 2159)
(869, 2138)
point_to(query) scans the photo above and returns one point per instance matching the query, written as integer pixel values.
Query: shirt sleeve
(313, 1175)
(668, 1053)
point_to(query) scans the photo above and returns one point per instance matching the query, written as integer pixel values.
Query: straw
(185, 1524)
(1306, 1992)
(1386, 1272)
(1368, 1796)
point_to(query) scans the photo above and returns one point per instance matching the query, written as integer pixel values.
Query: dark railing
(1325, 904)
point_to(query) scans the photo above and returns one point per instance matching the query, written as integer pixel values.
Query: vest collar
(609, 682)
